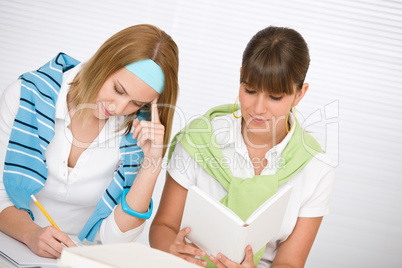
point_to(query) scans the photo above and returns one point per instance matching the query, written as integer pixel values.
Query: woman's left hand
(222, 262)
(150, 134)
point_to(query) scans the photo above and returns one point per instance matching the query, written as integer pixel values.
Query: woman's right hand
(185, 250)
(48, 242)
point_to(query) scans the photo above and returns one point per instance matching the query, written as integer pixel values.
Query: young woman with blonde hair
(87, 140)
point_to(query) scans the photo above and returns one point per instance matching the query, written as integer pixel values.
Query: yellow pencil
(44, 212)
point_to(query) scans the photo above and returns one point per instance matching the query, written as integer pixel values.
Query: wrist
(29, 232)
(126, 208)
(152, 163)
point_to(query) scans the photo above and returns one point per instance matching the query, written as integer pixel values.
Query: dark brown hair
(275, 60)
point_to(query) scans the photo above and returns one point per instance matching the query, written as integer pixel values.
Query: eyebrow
(125, 91)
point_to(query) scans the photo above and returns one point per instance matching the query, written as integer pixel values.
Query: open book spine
(239, 247)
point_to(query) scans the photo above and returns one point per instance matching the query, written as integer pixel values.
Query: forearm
(138, 198)
(166, 224)
(293, 252)
(17, 223)
(161, 237)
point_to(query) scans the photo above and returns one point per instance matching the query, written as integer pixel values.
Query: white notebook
(19, 255)
(215, 228)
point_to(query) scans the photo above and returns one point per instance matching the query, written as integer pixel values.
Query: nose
(119, 107)
(260, 105)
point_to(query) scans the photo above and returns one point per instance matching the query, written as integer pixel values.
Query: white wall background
(353, 106)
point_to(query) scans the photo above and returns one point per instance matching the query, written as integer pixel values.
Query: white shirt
(69, 195)
(312, 184)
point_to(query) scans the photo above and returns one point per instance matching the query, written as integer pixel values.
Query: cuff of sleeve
(6, 205)
(182, 167)
(110, 232)
(316, 212)
(5, 202)
(179, 178)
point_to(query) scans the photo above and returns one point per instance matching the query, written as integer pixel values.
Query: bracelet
(134, 213)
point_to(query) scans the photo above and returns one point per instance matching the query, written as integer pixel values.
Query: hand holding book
(217, 229)
(222, 259)
(188, 251)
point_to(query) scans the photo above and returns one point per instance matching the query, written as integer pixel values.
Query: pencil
(44, 212)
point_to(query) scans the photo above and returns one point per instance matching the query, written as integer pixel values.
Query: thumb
(180, 237)
(249, 258)
(136, 122)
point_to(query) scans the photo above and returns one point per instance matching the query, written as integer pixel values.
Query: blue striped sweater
(25, 168)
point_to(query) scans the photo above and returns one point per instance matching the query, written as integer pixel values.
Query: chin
(99, 115)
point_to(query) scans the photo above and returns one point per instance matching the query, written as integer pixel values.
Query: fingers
(180, 237)
(154, 111)
(249, 258)
(51, 242)
(146, 130)
(221, 261)
(136, 123)
(150, 132)
(191, 258)
(65, 239)
(187, 251)
(48, 252)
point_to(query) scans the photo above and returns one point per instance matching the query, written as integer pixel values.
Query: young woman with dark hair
(257, 147)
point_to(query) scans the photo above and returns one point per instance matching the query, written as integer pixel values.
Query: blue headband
(149, 72)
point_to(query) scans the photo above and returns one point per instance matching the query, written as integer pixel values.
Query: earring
(294, 119)
(234, 105)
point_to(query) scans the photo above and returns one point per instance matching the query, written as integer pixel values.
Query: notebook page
(20, 255)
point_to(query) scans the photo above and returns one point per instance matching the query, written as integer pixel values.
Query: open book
(119, 255)
(215, 228)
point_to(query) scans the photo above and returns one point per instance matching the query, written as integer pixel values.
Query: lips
(259, 120)
(104, 111)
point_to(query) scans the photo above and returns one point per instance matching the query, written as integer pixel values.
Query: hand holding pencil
(48, 241)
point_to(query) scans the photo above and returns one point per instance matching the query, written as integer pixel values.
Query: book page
(265, 224)
(283, 193)
(213, 226)
(228, 212)
(120, 255)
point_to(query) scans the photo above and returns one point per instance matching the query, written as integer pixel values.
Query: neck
(263, 138)
(81, 116)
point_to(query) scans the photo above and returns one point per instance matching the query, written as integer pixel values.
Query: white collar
(61, 105)
(227, 130)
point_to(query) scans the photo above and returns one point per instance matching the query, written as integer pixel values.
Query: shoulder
(216, 114)
(321, 168)
(12, 88)
(222, 122)
(180, 153)
(322, 161)
(11, 95)
(314, 185)
(68, 76)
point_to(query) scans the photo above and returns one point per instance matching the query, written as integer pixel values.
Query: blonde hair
(132, 44)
